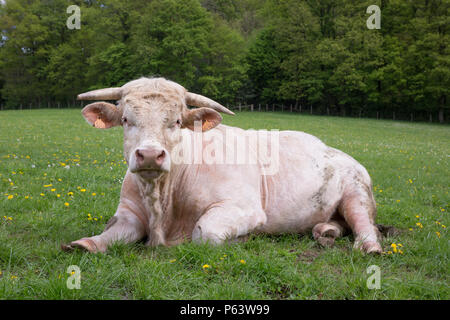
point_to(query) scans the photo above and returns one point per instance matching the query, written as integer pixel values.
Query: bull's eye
(179, 122)
(124, 120)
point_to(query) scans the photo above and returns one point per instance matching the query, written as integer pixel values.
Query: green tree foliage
(309, 53)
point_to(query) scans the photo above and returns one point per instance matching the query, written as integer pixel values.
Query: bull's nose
(149, 158)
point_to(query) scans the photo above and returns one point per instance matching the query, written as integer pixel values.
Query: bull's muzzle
(149, 158)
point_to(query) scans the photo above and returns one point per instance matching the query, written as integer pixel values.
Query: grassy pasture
(60, 180)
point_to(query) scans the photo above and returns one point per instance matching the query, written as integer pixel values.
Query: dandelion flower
(242, 261)
(206, 266)
(394, 247)
(438, 234)
(66, 204)
(10, 197)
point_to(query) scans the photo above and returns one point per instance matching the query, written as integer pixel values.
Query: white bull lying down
(314, 187)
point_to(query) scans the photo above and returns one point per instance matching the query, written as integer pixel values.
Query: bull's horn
(101, 94)
(197, 100)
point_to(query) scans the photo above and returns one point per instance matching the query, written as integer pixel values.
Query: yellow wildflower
(394, 247)
(66, 204)
(242, 261)
(10, 197)
(438, 234)
(206, 266)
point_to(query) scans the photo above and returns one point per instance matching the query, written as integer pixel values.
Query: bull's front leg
(227, 222)
(123, 226)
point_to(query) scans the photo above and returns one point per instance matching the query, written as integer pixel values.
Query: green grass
(409, 164)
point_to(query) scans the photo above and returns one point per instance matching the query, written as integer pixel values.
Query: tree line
(312, 54)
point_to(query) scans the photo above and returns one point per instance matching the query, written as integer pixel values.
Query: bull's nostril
(139, 156)
(160, 157)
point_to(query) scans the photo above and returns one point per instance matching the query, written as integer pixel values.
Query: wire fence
(417, 115)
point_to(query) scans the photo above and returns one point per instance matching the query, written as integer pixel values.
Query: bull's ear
(208, 118)
(102, 115)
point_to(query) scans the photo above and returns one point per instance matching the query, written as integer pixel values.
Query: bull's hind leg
(123, 226)
(359, 211)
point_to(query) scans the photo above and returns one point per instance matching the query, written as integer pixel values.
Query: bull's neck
(156, 201)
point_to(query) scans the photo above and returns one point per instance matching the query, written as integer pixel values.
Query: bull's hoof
(370, 247)
(326, 242)
(83, 244)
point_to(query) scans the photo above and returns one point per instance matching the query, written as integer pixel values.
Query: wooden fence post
(240, 107)
(251, 107)
(267, 107)
(282, 107)
(291, 107)
(259, 107)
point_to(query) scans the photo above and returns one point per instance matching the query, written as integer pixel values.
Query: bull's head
(152, 113)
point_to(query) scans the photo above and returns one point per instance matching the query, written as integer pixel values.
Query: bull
(314, 187)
